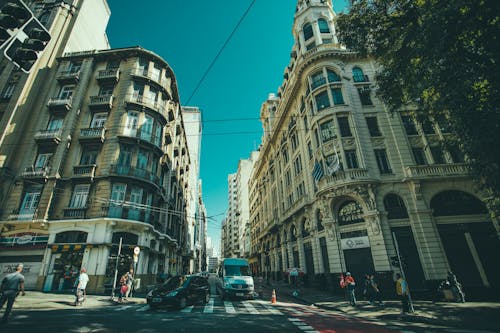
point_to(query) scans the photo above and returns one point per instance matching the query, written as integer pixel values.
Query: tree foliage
(442, 58)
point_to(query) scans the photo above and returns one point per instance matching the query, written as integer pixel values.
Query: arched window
(317, 80)
(332, 76)
(323, 26)
(450, 203)
(319, 221)
(395, 207)
(358, 75)
(71, 237)
(350, 212)
(305, 233)
(127, 238)
(308, 31)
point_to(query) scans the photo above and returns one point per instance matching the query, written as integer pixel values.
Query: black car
(180, 291)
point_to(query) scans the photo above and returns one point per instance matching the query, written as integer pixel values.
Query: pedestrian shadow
(68, 303)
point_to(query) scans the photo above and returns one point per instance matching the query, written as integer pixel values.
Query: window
(143, 64)
(74, 67)
(134, 211)
(395, 207)
(9, 90)
(42, 161)
(308, 31)
(89, 157)
(323, 26)
(155, 74)
(72, 237)
(311, 46)
(345, 129)
(327, 41)
(138, 91)
(142, 159)
(113, 64)
(158, 135)
(297, 165)
(452, 203)
(317, 80)
(358, 75)
(125, 157)
(364, 96)
(309, 150)
(350, 212)
(316, 137)
(30, 201)
(456, 154)
(147, 128)
(322, 100)
(373, 126)
(428, 128)
(351, 159)
(288, 178)
(382, 161)
(284, 152)
(55, 123)
(44, 19)
(153, 95)
(419, 156)
(98, 120)
(117, 198)
(80, 195)
(332, 76)
(409, 125)
(301, 190)
(106, 90)
(437, 155)
(338, 99)
(131, 123)
(327, 131)
(66, 92)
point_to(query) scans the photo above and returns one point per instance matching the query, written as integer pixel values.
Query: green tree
(442, 59)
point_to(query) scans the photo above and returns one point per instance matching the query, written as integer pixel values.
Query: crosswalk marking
(187, 309)
(125, 307)
(229, 307)
(143, 308)
(272, 310)
(209, 308)
(250, 308)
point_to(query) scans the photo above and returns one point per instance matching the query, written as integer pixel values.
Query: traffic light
(27, 45)
(13, 15)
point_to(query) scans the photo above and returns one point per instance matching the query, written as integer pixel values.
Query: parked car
(180, 291)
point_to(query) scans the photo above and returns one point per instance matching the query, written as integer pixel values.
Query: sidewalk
(36, 300)
(469, 315)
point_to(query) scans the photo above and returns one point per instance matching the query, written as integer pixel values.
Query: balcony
(436, 170)
(151, 76)
(23, 215)
(146, 138)
(153, 105)
(92, 135)
(101, 102)
(34, 172)
(60, 105)
(128, 171)
(344, 177)
(48, 136)
(75, 212)
(67, 77)
(108, 75)
(84, 171)
(128, 211)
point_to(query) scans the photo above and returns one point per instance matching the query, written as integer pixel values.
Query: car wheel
(207, 298)
(182, 303)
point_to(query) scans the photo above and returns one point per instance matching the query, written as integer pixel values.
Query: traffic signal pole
(402, 270)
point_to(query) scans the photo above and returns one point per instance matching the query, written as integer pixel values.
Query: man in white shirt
(83, 279)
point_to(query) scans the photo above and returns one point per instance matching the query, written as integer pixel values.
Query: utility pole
(116, 269)
(402, 270)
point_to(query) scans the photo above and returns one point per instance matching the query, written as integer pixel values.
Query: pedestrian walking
(349, 283)
(11, 285)
(403, 292)
(129, 281)
(372, 290)
(456, 287)
(123, 287)
(81, 285)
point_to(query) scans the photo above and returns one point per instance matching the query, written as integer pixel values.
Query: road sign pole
(402, 270)
(116, 269)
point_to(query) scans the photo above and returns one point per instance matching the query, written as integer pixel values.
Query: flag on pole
(317, 171)
(333, 165)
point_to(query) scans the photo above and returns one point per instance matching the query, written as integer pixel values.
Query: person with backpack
(12, 284)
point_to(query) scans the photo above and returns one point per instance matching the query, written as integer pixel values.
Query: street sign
(137, 250)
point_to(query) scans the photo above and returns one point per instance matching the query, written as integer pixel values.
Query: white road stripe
(272, 309)
(295, 311)
(123, 307)
(143, 308)
(295, 319)
(250, 308)
(188, 309)
(229, 307)
(209, 307)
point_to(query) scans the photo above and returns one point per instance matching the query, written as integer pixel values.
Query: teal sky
(188, 35)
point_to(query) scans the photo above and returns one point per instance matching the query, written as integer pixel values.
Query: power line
(220, 51)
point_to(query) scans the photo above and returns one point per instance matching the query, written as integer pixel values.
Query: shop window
(127, 238)
(452, 203)
(71, 237)
(350, 212)
(395, 207)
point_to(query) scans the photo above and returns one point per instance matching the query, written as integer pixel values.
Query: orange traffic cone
(273, 297)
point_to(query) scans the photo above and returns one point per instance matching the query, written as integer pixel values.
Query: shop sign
(24, 239)
(355, 243)
(30, 272)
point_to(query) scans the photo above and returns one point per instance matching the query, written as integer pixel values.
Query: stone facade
(339, 178)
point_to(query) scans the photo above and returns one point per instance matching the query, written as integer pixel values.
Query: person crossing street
(11, 285)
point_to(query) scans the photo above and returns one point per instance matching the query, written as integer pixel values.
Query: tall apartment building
(74, 25)
(338, 175)
(102, 165)
(237, 242)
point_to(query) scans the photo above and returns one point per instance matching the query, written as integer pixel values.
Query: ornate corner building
(340, 180)
(94, 161)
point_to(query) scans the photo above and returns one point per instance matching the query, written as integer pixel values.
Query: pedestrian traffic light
(27, 45)
(13, 15)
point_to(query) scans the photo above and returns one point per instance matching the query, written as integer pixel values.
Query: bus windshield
(237, 271)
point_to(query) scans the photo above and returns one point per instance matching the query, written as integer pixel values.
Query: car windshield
(175, 282)
(237, 271)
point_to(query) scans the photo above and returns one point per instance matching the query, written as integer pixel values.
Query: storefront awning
(58, 248)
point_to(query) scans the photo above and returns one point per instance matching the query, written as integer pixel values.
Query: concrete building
(213, 264)
(102, 161)
(338, 175)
